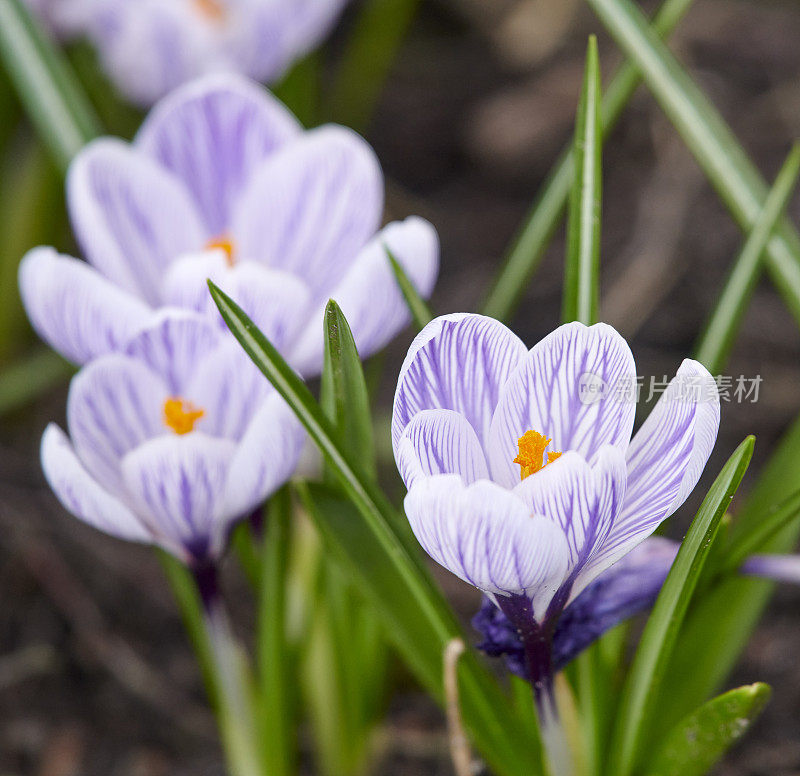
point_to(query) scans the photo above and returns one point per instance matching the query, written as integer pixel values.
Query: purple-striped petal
(74, 309)
(114, 405)
(574, 387)
(173, 344)
(277, 302)
(440, 442)
(312, 206)
(266, 457)
(212, 134)
(229, 388)
(81, 494)
(369, 295)
(457, 362)
(666, 457)
(488, 537)
(177, 484)
(131, 217)
(581, 499)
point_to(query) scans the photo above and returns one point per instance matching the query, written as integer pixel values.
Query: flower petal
(212, 134)
(440, 442)
(81, 495)
(312, 206)
(229, 388)
(581, 499)
(131, 217)
(178, 485)
(173, 344)
(277, 302)
(574, 388)
(457, 362)
(74, 309)
(778, 568)
(114, 405)
(266, 458)
(666, 457)
(369, 295)
(487, 537)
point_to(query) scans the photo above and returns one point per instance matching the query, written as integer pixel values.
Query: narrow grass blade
(720, 624)
(582, 267)
(420, 312)
(392, 553)
(660, 634)
(46, 86)
(544, 217)
(277, 698)
(772, 524)
(737, 181)
(719, 335)
(698, 742)
(370, 52)
(344, 390)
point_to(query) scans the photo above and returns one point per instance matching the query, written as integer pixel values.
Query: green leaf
(694, 746)
(369, 54)
(530, 244)
(661, 632)
(733, 175)
(420, 312)
(46, 85)
(721, 623)
(392, 553)
(344, 391)
(582, 268)
(489, 714)
(277, 697)
(717, 341)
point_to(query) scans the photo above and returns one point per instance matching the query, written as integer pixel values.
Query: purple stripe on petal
(177, 484)
(488, 537)
(173, 344)
(74, 309)
(82, 495)
(573, 387)
(131, 217)
(440, 442)
(457, 362)
(312, 207)
(114, 405)
(212, 134)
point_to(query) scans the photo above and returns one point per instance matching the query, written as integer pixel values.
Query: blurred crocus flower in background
(221, 182)
(151, 47)
(523, 478)
(172, 439)
(62, 18)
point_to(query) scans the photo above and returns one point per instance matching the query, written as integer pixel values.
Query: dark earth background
(96, 676)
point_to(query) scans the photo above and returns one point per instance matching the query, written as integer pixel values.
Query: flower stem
(234, 688)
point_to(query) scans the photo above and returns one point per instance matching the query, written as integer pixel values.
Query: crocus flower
(173, 439)
(150, 47)
(62, 18)
(221, 182)
(523, 478)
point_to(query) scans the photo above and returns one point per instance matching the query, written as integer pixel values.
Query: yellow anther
(223, 243)
(213, 10)
(532, 446)
(181, 415)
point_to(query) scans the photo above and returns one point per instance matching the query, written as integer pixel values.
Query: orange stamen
(211, 9)
(223, 243)
(532, 446)
(181, 415)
